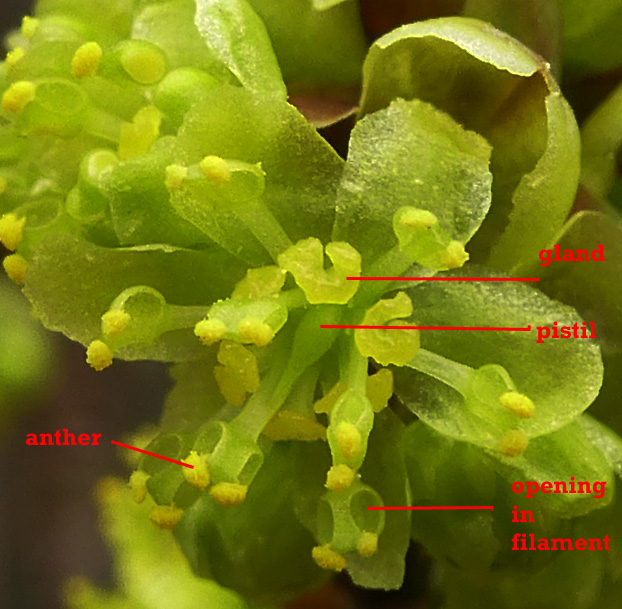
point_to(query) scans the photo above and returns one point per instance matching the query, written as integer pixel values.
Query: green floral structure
(164, 201)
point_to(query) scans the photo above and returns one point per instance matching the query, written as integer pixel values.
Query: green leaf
(493, 85)
(238, 37)
(411, 154)
(561, 376)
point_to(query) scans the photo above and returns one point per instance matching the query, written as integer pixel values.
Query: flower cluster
(165, 202)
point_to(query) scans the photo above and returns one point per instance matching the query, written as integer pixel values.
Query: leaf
(561, 376)
(238, 37)
(491, 84)
(411, 154)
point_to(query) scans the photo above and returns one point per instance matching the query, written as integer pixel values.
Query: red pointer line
(527, 329)
(443, 278)
(439, 507)
(146, 452)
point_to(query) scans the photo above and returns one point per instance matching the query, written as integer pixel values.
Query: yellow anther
(166, 516)
(14, 56)
(175, 177)
(99, 355)
(228, 494)
(215, 169)
(138, 485)
(418, 219)
(108, 490)
(30, 25)
(513, 443)
(15, 267)
(339, 478)
(257, 332)
(290, 425)
(210, 331)
(349, 440)
(11, 231)
(18, 96)
(454, 256)
(368, 544)
(3, 185)
(114, 322)
(380, 388)
(328, 559)
(86, 60)
(146, 65)
(518, 404)
(199, 475)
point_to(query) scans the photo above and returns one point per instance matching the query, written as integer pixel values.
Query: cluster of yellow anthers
(515, 442)
(144, 63)
(11, 233)
(167, 516)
